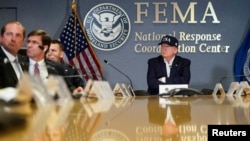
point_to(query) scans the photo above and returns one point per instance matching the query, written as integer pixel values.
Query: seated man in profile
(55, 53)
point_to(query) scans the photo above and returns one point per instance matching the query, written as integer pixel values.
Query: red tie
(36, 70)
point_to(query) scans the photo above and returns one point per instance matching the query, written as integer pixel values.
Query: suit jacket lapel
(163, 67)
(11, 71)
(174, 67)
(8, 66)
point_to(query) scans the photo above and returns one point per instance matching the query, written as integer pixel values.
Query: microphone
(88, 74)
(233, 76)
(107, 62)
(72, 76)
(80, 75)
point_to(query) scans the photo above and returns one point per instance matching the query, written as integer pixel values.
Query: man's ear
(62, 54)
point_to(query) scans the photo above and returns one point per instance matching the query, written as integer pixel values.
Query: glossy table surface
(141, 118)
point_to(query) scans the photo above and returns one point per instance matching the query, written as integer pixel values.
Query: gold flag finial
(73, 6)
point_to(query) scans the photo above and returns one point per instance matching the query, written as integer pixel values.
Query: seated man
(167, 68)
(38, 42)
(12, 37)
(55, 53)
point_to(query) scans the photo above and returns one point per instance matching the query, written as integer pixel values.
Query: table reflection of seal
(180, 114)
(109, 135)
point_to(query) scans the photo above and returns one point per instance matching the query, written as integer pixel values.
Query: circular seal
(107, 26)
(109, 135)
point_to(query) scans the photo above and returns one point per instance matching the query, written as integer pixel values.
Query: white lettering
(177, 15)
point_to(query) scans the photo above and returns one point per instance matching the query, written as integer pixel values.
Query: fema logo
(107, 26)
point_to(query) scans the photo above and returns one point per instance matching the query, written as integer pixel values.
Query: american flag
(78, 50)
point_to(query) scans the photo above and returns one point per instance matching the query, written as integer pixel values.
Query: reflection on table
(129, 119)
(169, 117)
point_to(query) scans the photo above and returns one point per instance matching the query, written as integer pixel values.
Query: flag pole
(84, 32)
(73, 6)
(79, 50)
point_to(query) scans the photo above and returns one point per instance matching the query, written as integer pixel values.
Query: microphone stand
(81, 76)
(119, 71)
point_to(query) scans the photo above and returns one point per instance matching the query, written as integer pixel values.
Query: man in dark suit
(56, 53)
(38, 43)
(167, 68)
(11, 63)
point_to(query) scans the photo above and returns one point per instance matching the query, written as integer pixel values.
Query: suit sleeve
(75, 81)
(153, 74)
(78, 81)
(182, 73)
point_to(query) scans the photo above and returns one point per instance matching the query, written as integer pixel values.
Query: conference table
(139, 118)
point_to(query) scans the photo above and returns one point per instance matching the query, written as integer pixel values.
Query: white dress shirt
(169, 65)
(42, 68)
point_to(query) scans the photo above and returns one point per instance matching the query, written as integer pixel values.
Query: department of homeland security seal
(107, 26)
(109, 135)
